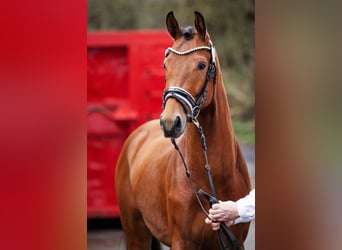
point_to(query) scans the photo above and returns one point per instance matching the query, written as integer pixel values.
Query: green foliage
(244, 131)
(230, 24)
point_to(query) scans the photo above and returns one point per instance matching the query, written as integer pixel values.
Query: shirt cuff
(246, 208)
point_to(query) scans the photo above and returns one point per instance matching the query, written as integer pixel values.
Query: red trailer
(125, 85)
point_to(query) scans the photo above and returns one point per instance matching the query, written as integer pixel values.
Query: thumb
(216, 205)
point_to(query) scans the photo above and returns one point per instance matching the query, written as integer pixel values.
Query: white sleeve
(246, 208)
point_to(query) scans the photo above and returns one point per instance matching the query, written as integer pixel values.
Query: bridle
(192, 109)
(191, 105)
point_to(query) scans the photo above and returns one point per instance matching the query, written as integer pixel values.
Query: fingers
(229, 223)
(224, 211)
(217, 214)
(214, 225)
(221, 212)
(215, 206)
(216, 211)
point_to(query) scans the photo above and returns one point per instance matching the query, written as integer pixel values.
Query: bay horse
(155, 196)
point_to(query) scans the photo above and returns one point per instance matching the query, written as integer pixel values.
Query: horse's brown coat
(153, 191)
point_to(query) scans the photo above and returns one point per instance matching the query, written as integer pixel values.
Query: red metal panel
(125, 83)
(105, 67)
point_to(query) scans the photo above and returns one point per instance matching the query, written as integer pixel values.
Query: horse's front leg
(138, 236)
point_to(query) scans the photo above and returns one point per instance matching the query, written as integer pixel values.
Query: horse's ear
(200, 25)
(172, 26)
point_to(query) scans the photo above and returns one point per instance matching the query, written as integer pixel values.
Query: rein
(224, 230)
(192, 108)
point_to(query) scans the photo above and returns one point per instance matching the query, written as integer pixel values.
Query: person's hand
(214, 225)
(226, 211)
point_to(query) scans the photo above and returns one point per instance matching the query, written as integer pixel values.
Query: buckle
(195, 112)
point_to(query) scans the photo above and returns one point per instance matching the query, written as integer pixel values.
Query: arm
(246, 208)
(231, 212)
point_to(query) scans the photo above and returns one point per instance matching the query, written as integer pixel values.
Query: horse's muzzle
(172, 128)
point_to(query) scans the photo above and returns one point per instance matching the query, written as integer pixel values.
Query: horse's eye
(202, 65)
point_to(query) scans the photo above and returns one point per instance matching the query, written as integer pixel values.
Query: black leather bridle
(191, 105)
(192, 108)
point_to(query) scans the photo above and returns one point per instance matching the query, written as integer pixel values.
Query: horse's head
(189, 69)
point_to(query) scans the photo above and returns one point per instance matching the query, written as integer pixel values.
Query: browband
(182, 53)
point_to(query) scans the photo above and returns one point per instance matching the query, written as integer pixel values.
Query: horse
(156, 199)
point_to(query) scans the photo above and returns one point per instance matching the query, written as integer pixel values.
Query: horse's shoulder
(145, 131)
(146, 137)
(138, 135)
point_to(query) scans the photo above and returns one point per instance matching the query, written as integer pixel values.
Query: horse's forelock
(188, 32)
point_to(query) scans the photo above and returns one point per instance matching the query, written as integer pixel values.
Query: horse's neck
(217, 127)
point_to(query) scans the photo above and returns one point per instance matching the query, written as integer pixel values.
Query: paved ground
(107, 235)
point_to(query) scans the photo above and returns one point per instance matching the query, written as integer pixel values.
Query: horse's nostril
(178, 124)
